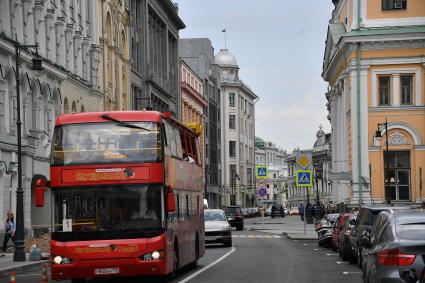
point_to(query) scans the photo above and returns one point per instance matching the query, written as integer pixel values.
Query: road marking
(351, 272)
(259, 236)
(242, 236)
(251, 236)
(278, 237)
(342, 262)
(304, 244)
(193, 275)
(315, 249)
(268, 237)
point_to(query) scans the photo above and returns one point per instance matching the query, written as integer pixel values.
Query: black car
(364, 223)
(235, 216)
(277, 211)
(345, 251)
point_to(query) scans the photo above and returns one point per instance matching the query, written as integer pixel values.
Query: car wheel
(173, 273)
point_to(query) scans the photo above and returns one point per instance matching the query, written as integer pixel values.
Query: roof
(225, 59)
(386, 30)
(259, 143)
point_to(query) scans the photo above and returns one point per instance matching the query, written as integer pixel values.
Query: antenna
(225, 37)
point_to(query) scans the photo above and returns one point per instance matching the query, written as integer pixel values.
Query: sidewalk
(7, 265)
(290, 226)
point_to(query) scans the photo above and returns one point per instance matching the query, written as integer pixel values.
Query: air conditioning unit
(398, 4)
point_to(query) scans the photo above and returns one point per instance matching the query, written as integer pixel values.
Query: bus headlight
(62, 260)
(155, 255)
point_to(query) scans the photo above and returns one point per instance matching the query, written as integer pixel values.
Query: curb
(300, 238)
(23, 268)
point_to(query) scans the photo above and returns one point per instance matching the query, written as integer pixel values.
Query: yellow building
(193, 103)
(114, 67)
(374, 63)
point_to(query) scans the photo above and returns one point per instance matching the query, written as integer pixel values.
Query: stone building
(155, 68)
(198, 53)
(68, 44)
(238, 131)
(193, 104)
(114, 67)
(374, 65)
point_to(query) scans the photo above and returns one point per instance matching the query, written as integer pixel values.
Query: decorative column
(395, 99)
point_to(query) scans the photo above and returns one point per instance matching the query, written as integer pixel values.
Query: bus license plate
(104, 271)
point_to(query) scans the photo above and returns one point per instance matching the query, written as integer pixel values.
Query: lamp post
(387, 164)
(19, 254)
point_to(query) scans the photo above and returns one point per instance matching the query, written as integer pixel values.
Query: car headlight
(61, 260)
(155, 255)
(227, 226)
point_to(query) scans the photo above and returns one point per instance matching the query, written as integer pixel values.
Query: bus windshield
(106, 143)
(80, 211)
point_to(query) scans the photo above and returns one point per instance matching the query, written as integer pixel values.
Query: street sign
(304, 159)
(304, 178)
(261, 172)
(262, 183)
(262, 192)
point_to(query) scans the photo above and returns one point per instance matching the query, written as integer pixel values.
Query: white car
(217, 228)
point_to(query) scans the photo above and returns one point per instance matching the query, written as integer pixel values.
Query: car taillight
(395, 257)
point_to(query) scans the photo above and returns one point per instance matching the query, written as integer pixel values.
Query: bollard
(12, 277)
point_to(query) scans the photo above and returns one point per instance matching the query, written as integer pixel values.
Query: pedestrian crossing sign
(304, 178)
(261, 172)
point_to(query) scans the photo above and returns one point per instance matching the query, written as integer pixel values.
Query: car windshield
(214, 216)
(100, 143)
(107, 209)
(233, 210)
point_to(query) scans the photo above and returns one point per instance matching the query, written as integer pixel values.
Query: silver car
(395, 250)
(217, 228)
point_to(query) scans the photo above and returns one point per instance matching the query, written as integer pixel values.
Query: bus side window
(179, 149)
(171, 141)
(198, 155)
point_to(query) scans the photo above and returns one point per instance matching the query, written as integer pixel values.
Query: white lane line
(351, 272)
(193, 275)
(342, 262)
(259, 236)
(268, 237)
(251, 236)
(315, 249)
(242, 236)
(235, 236)
(304, 244)
(277, 237)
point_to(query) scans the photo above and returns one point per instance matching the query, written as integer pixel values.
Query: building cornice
(193, 93)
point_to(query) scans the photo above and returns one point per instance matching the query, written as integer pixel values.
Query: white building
(268, 154)
(238, 131)
(68, 43)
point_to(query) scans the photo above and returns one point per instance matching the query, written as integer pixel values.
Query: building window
(232, 148)
(384, 90)
(231, 100)
(406, 89)
(394, 5)
(232, 122)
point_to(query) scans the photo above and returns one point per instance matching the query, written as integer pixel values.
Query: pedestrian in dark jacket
(10, 229)
(301, 211)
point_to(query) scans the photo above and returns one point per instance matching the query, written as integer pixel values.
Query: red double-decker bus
(128, 195)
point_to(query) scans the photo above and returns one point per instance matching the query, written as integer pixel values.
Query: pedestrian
(10, 229)
(301, 211)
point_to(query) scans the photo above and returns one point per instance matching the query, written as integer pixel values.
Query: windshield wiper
(123, 124)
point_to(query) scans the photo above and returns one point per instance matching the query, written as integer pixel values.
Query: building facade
(155, 68)
(374, 64)
(268, 154)
(193, 104)
(69, 46)
(198, 53)
(114, 67)
(238, 128)
(322, 168)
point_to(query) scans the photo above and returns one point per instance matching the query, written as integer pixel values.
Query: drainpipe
(359, 147)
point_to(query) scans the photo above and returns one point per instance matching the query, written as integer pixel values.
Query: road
(257, 257)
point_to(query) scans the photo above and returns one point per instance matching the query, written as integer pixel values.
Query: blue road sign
(304, 178)
(261, 172)
(262, 192)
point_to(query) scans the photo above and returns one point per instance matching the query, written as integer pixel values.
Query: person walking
(301, 211)
(10, 228)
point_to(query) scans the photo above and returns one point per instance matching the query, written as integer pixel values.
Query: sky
(279, 47)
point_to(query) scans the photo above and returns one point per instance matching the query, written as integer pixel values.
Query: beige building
(114, 67)
(193, 103)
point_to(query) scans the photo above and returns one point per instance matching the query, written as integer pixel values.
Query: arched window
(65, 106)
(74, 107)
(83, 109)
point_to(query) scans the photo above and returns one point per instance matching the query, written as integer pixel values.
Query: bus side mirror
(40, 188)
(171, 205)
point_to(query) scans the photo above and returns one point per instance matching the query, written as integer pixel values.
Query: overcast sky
(278, 45)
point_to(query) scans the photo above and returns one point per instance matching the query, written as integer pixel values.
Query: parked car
(255, 212)
(364, 222)
(324, 229)
(345, 251)
(245, 212)
(395, 249)
(217, 228)
(294, 211)
(277, 211)
(235, 216)
(337, 229)
(268, 212)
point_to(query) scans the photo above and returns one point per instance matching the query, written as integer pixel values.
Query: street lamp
(387, 164)
(19, 254)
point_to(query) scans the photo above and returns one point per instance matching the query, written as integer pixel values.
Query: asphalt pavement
(255, 257)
